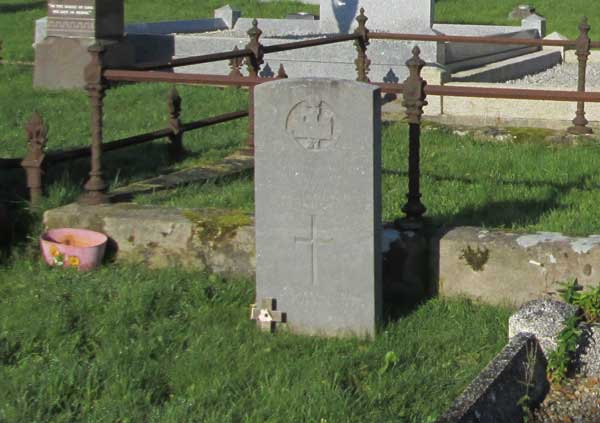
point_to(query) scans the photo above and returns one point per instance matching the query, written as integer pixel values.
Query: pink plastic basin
(80, 248)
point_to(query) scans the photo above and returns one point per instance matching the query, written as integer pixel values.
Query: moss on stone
(475, 258)
(216, 224)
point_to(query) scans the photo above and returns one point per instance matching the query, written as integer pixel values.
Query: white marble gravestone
(406, 16)
(318, 212)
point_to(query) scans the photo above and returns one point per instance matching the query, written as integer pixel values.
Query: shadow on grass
(21, 7)
(504, 213)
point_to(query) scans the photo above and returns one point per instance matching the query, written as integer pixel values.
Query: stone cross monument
(318, 211)
(407, 16)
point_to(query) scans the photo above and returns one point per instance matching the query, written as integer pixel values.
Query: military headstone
(85, 18)
(406, 16)
(318, 208)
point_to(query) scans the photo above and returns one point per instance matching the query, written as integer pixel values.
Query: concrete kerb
(495, 395)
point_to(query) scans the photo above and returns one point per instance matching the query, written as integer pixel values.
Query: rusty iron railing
(414, 89)
(36, 159)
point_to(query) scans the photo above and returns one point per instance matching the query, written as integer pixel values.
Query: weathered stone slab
(85, 18)
(406, 16)
(318, 212)
(218, 241)
(543, 318)
(494, 395)
(499, 267)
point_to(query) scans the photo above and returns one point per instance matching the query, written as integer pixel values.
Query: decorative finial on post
(582, 50)
(414, 101)
(414, 88)
(254, 61)
(363, 63)
(37, 136)
(96, 86)
(236, 65)
(281, 73)
(176, 137)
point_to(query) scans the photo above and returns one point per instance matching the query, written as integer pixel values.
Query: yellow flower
(54, 251)
(73, 261)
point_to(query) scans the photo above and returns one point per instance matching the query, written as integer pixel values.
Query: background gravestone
(406, 16)
(318, 212)
(86, 18)
(72, 27)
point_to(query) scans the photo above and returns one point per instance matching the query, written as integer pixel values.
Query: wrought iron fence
(414, 88)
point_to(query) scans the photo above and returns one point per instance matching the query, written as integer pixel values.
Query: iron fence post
(37, 136)
(414, 101)
(363, 63)
(176, 149)
(583, 47)
(253, 63)
(95, 187)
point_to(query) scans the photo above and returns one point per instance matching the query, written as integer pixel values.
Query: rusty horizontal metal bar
(472, 40)
(226, 117)
(192, 60)
(233, 54)
(10, 163)
(110, 146)
(501, 93)
(77, 153)
(443, 90)
(146, 137)
(330, 39)
(183, 78)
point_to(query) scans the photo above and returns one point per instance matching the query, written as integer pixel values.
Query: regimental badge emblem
(312, 124)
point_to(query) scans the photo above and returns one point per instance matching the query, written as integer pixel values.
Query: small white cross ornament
(266, 316)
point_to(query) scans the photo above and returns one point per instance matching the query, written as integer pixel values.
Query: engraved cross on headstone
(313, 242)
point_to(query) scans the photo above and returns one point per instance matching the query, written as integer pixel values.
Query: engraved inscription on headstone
(312, 124)
(318, 212)
(85, 18)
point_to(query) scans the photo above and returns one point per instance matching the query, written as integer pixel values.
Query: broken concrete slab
(543, 318)
(494, 396)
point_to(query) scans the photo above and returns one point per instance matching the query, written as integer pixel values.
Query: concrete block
(228, 15)
(535, 22)
(218, 241)
(501, 267)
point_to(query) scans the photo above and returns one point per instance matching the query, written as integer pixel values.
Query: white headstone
(318, 212)
(406, 16)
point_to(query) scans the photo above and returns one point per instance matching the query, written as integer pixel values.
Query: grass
(127, 344)
(563, 17)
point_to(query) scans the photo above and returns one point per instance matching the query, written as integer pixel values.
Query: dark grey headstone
(85, 18)
(318, 212)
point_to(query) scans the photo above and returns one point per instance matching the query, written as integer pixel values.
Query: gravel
(576, 401)
(560, 76)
